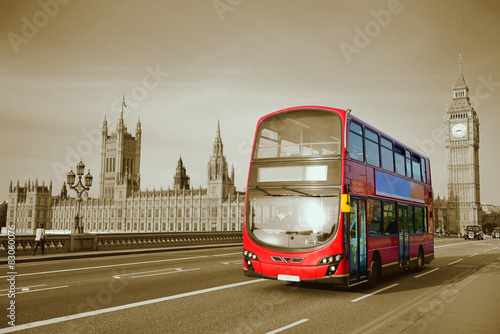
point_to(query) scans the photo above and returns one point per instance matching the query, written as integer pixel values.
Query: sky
(185, 65)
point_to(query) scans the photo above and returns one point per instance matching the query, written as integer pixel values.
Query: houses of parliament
(122, 206)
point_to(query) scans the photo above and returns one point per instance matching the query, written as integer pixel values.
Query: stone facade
(123, 207)
(462, 147)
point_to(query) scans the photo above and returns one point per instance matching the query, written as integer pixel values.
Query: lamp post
(80, 188)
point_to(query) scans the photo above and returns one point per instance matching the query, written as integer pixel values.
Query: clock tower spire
(462, 148)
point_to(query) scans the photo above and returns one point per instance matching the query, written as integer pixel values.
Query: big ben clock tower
(462, 148)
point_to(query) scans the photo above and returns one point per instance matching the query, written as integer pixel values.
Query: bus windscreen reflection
(294, 221)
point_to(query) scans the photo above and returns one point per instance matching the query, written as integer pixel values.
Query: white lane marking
(460, 243)
(36, 263)
(473, 254)
(26, 287)
(454, 262)
(124, 307)
(374, 292)
(155, 272)
(288, 326)
(430, 271)
(36, 290)
(108, 266)
(239, 253)
(486, 250)
(233, 262)
(179, 271)
(115, 265)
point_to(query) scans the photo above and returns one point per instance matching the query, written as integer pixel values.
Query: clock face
(459, 130)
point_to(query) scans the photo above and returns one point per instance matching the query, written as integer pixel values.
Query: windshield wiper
(266, 192)
(299, 192)
(304, 193)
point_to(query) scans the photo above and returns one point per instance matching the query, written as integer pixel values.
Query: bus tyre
(420, 260)
(375, 272)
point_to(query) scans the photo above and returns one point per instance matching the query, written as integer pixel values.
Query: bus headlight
(333, 263)
(331, 259)
(249, 257)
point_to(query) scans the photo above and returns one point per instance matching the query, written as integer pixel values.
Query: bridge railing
(63, 243)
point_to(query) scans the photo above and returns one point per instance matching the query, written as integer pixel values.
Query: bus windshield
(292, 217)
(299, 133)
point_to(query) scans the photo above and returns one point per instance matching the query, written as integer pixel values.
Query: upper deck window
(400, 159)
(417, 174)
(387, 154)
(299, 133)
(408, 164)
(372, 148)
(356, 141)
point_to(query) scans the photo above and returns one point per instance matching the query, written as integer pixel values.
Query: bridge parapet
(117, 241)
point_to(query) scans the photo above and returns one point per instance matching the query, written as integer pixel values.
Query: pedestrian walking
(40, 239)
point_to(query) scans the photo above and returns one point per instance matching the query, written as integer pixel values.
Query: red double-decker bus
(332, 199)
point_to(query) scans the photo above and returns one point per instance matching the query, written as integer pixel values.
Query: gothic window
(213, 212)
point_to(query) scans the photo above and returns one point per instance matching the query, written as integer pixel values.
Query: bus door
(357, 241)
(404, 242)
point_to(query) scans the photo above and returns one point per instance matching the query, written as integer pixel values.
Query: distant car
(496, 233)
(473, 232)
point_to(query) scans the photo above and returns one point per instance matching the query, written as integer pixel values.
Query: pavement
(469, 304)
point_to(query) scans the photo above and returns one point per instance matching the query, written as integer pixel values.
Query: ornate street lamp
(80, 188)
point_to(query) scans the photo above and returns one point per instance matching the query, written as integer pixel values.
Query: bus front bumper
(307, 274)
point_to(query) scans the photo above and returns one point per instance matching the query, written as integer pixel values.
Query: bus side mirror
(345, 203)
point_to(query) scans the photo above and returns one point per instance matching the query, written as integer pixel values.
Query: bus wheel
(420, 260)
(375, 272)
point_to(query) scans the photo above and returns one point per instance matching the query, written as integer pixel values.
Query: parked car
(496, 233)
(473, 232)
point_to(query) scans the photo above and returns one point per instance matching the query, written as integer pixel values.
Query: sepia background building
(463, 205)
(122, 206)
